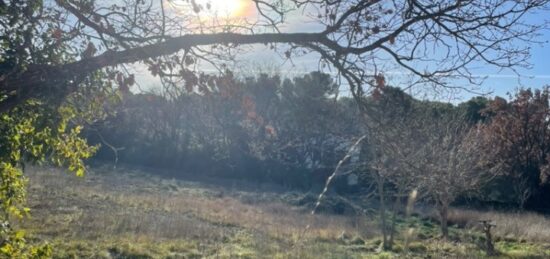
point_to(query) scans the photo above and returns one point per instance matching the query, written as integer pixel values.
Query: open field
(131, 214)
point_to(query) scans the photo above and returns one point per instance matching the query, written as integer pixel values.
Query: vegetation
(69, 40)
(131, 212)
(67, 78)
(26, 136)
(444, 154)
(522, 123)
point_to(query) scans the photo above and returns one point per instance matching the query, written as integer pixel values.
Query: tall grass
(105, 203)
(526, 226)
(123, 207)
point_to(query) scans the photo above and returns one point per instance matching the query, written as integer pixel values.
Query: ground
(129, 213)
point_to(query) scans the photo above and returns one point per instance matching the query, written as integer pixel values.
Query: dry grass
(125, 213)
(519, 226)
(137, 206)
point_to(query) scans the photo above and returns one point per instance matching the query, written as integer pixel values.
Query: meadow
(130, 213)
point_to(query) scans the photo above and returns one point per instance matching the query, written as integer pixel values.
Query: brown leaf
(380, 81)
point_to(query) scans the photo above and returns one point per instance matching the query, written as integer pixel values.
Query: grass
(131, 214)
(516, 226)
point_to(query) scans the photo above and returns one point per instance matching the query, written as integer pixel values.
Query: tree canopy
(51, 46)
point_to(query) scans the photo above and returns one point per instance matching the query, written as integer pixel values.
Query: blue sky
(496, 82)
(537, 76)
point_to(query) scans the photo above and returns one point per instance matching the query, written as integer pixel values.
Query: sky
(537, 76)
(496, 82)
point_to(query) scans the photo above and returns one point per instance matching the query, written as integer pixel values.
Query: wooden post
(489, 247)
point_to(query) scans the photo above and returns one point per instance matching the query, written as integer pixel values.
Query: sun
(225, 8)
(213, 12)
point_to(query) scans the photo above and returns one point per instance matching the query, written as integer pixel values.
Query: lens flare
(225, 8)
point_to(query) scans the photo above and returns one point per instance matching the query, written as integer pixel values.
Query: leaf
(80, 172)
(57, 33)
(380, 80)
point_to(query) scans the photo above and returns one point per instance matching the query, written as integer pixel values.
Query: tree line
(294, 131)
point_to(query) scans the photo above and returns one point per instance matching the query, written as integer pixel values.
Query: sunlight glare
(224, 8)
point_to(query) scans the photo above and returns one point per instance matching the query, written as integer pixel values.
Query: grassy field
(133, 214)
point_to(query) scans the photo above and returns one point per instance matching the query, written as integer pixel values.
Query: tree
(518, 137)
(53, 50)
(290, 127)
(41, 129)
(434, 148)
(66, 41)
(388, 116)
(28, 136)
(475, 109)
(448, 161)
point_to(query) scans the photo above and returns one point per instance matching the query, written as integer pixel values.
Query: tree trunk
(395, 209)
(489, 247)
(383, 224)
(443, 215)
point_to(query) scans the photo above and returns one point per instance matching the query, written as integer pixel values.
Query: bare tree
(449, 162)
(387, 119)
(56, 44)
(426, 146)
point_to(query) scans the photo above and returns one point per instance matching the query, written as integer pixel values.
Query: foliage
(29, 136)
(265, 128)
(51, 50)
(45, 128)
(519, 139)
(69, 40)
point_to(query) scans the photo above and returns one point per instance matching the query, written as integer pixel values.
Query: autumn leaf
(57, 33)
(380, 80)
(392, 40)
